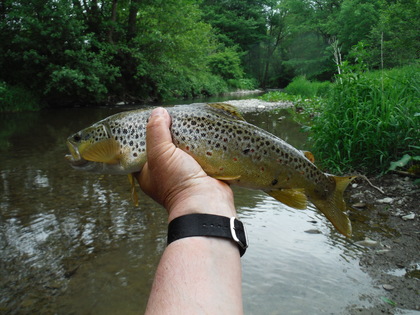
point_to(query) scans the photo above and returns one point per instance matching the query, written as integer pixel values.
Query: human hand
(174, 179)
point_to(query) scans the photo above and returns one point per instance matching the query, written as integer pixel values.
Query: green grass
(363, 121)
(369, 120)
(308, 89)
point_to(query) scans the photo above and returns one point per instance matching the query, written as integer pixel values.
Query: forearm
(199, 275)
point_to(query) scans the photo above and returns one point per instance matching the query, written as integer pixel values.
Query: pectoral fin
(105, 151)
(134, 195)
(294, 198)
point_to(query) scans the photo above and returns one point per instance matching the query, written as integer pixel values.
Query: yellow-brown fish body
(225, 145)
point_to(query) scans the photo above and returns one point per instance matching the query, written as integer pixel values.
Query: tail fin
(333, 206)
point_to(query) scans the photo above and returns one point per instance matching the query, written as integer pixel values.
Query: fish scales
(225, 145)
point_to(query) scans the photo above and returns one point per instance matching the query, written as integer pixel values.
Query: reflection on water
(72, 242)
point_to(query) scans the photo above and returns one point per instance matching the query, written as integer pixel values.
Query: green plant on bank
(15, 98)
(363, 121)
(308, 89)
(411, 165)
(370, 119)
(277, 96)
(307, 98)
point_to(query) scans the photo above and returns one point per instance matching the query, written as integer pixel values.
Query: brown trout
(227, 148)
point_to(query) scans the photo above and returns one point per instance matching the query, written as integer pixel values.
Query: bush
(369, 120)
(16, 99)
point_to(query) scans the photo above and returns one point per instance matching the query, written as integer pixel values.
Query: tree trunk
(132, 19)
(113, 21)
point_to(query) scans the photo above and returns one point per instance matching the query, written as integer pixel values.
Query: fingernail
(157, 112)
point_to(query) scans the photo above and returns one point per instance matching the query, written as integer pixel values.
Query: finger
(157, 130)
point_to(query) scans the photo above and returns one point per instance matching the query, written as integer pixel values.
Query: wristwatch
(198, 224)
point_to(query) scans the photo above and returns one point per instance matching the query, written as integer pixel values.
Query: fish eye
(77, 138)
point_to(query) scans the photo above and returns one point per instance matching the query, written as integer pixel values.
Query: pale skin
(196, 275)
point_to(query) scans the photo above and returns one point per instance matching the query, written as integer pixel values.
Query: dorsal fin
(227, 109)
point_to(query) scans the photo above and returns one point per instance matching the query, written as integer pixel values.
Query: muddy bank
(388, 225)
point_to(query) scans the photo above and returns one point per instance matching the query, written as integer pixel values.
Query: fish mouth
(74, 158)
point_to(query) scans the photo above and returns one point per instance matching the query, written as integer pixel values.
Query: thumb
(157, 130)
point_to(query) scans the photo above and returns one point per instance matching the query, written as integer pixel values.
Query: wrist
(215, 199)
(208, 225)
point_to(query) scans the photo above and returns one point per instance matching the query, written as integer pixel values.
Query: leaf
(400, 163)
(390, 302)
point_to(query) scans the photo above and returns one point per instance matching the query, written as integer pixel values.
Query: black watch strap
(198, 224)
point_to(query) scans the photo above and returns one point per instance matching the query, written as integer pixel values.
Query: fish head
(93, 149)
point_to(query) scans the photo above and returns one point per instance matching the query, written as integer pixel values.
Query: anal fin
(294, 198)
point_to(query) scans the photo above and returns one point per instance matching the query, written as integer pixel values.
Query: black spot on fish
(246, 151)
(193, 123)
(131, 143)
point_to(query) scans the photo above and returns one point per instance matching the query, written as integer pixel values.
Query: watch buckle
(235, 237)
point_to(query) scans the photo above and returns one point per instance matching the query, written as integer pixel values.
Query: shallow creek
(73, 243)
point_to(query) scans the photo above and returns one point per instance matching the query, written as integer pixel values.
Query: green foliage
(16, 98)
(399, 27)
(369, 120)
(227, 64)
(307, 89)
(89, 52)
(404, 161)
(277, 96)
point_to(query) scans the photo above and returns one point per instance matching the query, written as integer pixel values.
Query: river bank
(391, 236)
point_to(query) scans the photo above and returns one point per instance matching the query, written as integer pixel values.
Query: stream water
(73, 243)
